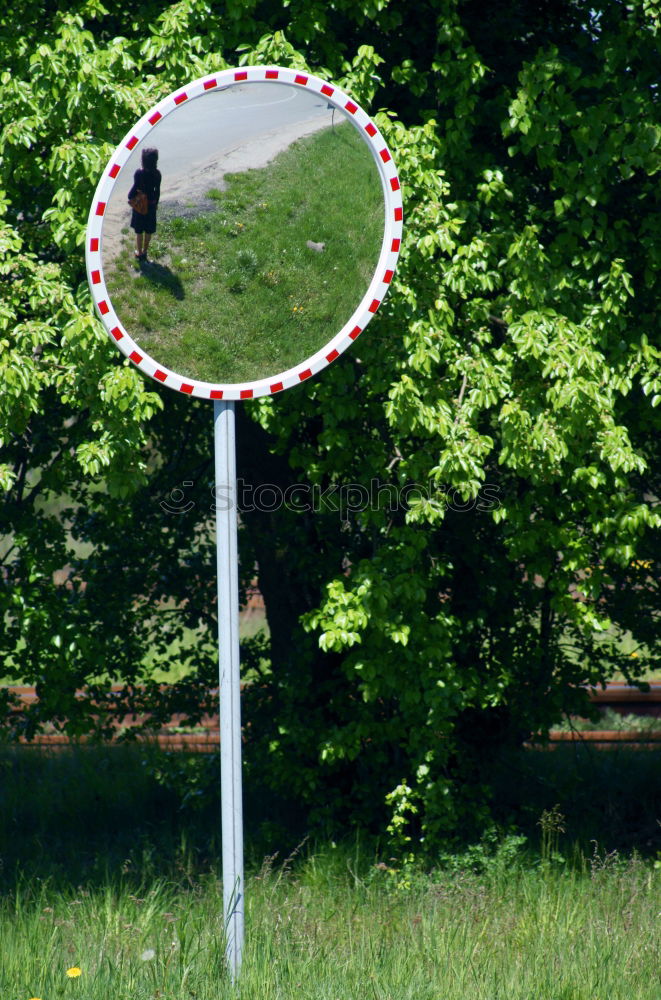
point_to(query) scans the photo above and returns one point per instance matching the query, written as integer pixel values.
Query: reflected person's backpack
(139, 203)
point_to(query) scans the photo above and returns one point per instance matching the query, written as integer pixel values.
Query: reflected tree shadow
(162, 276)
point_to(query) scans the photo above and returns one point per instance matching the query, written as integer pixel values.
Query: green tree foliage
(513, 377)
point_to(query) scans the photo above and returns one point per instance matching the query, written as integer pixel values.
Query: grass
(105, 868)
(235, 294)
(612, 721)
(337, 926)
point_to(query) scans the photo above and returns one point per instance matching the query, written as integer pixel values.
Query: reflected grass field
(237, 294)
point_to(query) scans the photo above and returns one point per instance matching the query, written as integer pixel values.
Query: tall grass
(237, 294)
(338, 926)
(108, 869)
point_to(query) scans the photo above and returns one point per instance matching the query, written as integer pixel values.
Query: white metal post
(230, 685)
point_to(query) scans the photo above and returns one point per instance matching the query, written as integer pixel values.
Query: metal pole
(230, 687)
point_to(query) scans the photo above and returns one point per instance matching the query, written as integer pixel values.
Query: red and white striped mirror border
(368, 306)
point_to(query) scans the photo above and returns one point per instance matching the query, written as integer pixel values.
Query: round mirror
(244, 233)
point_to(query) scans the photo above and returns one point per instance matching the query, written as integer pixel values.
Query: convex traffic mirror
(262, 233)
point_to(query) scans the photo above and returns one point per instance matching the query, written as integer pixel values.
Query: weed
(552, 824)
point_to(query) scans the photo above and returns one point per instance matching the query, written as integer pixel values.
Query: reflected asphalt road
(220, 120)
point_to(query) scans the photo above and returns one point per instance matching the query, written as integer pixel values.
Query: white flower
(148, 955)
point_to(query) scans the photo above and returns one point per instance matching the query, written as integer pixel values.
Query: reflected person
(147, 179)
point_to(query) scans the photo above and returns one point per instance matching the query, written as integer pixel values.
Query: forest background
(516, 357)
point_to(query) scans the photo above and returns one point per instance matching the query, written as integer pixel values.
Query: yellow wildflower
(73, 972)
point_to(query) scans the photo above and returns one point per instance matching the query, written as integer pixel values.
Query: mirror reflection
(260, 234)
